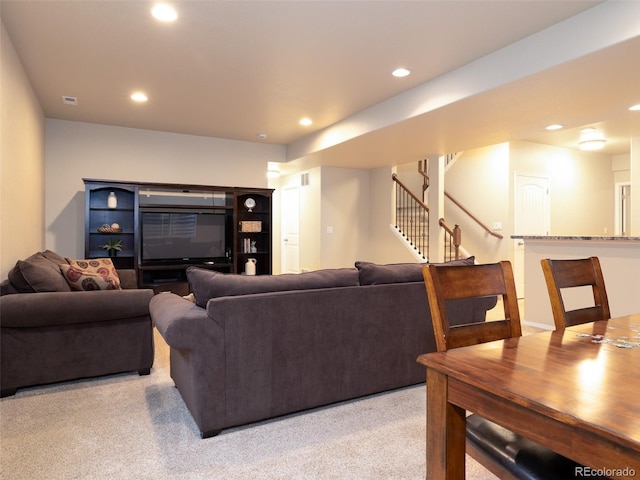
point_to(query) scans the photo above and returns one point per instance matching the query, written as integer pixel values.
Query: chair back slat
(444, 283)
(474, 333)
(560, 274)
(584, 315)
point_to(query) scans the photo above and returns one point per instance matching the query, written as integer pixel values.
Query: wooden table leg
(446, 432)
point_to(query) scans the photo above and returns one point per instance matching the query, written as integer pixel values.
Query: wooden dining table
(575, 391)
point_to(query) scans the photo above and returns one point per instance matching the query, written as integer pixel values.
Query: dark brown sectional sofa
(252, 348)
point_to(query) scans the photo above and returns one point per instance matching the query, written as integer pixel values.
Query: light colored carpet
(131, 427)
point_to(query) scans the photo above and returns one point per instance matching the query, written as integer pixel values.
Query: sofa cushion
(374, 274)
(94, 274)
(206, 284)
(39, 273)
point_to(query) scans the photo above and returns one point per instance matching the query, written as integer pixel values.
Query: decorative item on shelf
(112, 200)
(253, 248)
(250, 266)
(251, 226)
(113, 246)
(113, 228)
(250, 204)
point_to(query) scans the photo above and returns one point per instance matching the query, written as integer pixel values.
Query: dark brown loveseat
(49, 333)
(253, 348)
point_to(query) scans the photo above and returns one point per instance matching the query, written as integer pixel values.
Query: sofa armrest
(128, 278)
(23, 310)
(180, 322)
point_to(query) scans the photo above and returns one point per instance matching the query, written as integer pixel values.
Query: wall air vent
(304, 179)
(69, 100)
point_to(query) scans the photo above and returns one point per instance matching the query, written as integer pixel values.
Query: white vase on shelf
(250, 267)
(112, 200)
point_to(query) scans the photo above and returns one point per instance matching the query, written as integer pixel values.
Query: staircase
(412, 219)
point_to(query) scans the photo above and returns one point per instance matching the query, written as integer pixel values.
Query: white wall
(76, 150)
(21, 162)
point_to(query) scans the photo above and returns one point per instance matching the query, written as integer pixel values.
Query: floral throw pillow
(94, 274)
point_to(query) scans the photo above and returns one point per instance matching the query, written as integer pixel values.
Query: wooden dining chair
(564, 274)
(471, 281)
(503, 452)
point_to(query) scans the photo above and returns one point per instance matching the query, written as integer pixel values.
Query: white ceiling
(234, 69)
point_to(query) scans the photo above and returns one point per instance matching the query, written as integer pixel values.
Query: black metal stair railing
(412, 218)
(412, 221)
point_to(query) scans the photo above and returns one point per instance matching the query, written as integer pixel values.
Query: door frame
(618, 213)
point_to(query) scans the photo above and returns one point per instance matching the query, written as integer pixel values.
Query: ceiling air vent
(69, 100)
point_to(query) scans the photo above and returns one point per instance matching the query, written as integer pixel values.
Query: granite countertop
(577, 237)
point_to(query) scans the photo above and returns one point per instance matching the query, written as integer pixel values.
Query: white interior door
(532, 217)
(290, 229)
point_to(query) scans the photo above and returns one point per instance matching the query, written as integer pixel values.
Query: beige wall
(310, 225)
(357, 201)
(357, 204)
(21, 162)
(635, 180)
(479, 180)
(581, 193)
(582, 186)
(384, 246)
(345, 217)
(76, 150)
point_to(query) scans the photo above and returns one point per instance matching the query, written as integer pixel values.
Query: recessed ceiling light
(139, 97)
(554, 126)
(635, 108)
(305, 122)
(400, 72)
(262, 136)
(164, 12)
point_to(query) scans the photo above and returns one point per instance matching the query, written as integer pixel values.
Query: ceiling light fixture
(401, 72)
(554, 126)
(273, 170)
(164, 12)
(635, 108)
(305, 122)
(139, 97)
(591, 139)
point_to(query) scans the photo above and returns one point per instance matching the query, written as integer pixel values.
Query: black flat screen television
(170, 237)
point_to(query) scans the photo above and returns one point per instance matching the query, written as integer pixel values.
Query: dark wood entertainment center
(158, 223)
